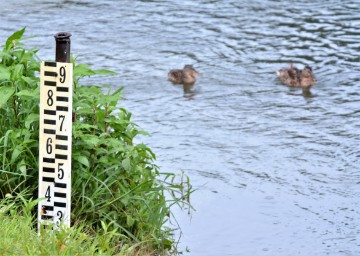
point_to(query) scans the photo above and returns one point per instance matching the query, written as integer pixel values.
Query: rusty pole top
(62, 47)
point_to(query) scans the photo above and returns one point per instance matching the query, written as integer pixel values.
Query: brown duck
(187, 75)
(293, 76)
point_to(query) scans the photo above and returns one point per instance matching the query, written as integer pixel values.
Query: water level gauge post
(55, 137)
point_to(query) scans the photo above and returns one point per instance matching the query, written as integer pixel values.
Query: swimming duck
(187, 75)
(295, 77)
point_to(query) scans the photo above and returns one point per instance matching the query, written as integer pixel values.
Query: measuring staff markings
(55, 143)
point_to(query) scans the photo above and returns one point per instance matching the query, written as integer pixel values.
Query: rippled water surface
(276, 170)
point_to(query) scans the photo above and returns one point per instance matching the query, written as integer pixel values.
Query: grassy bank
(117, 190)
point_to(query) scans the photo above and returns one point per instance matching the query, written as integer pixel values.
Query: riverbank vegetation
(121, 202)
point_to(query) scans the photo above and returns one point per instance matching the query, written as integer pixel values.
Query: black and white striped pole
(56, 82)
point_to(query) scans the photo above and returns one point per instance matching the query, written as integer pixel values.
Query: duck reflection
(189, 90)
(307, 93)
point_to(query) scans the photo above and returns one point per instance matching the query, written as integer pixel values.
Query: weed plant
(117, 190)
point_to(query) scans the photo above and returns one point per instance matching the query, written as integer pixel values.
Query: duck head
(307, 72)
(190, 71)
(189, 74)
(307, 77)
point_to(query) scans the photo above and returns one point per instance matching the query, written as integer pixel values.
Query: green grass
(19, 238)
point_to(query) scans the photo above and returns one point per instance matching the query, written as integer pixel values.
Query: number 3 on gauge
(60, 215)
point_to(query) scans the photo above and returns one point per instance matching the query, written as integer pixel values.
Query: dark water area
(276, 171)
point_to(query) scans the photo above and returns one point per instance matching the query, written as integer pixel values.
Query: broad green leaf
(6, 92)
(4, 54)
(104, 72)
(4, 73)
(111, 100)
(167, 243)
(29, 93)
(82, 159)
(125, 201)
(126, 164)
(33, 117)
(90, 91)
(14, 37)
(16, 152)
(29, 80)
(130, 221)
(19, 54)
(21, 166)
(87, 127)
(16, 73)
(83, 70)
(91, 140)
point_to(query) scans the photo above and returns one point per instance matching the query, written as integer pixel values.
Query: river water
(276, 170)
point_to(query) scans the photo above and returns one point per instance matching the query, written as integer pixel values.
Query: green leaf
(83, 70)
(4, 54)
(21, 166)
(6, 92)
(29, 80)
(91, 140)
(17, 71)
(80, 126)
(30, 119)
(126, 164)
(167, 243)
(33, 94)
(129, 220)
(4, 73)
(16, 152)
(14, 37)
(125, 201)
(104, 72)
(82, 159)
(118, 91)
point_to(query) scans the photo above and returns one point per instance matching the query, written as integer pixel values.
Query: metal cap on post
(62, 47)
